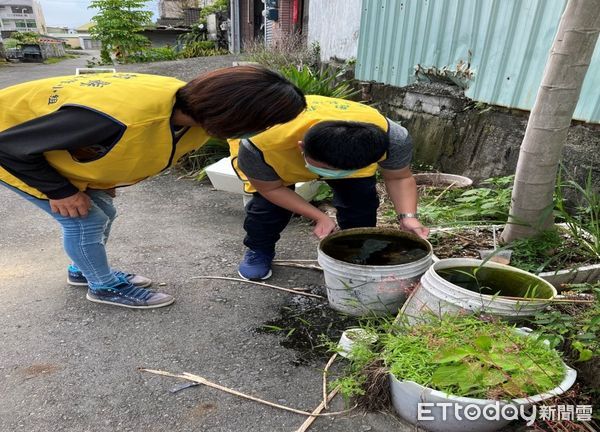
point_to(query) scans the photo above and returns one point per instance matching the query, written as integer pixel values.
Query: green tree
(26, 37)
(117, 26)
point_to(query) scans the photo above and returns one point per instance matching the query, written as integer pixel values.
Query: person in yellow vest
(335, 140)
(67, 142)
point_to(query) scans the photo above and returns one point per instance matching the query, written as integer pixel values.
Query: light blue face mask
(329, 173)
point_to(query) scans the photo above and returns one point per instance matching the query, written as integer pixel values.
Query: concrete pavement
(67, 364)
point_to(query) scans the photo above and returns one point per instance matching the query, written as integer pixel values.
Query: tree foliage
(118, 25)
(26, 37)
(217, 6)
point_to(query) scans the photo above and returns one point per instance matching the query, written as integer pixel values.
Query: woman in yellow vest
(338, 141)
(67, 142)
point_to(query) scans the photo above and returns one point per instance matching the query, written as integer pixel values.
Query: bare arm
(402, 189)
(278, 194)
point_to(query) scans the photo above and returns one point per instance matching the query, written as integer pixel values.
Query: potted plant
(460, 373)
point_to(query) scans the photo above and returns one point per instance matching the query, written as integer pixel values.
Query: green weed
(459, 355)
(584, 223)
(323, 82)
(575, 330)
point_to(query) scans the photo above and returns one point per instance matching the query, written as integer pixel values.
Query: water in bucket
(374, 249)
(494, 281)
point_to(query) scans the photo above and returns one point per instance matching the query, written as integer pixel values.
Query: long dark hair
(240, 100)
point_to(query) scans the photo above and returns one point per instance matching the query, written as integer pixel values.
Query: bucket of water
(372, 270)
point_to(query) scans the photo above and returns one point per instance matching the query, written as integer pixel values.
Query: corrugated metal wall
(336, 37)
(506, 42)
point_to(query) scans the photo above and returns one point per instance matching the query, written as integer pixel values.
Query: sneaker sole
(129, 306)
(76, 283)
(84, 284)
(267, 276)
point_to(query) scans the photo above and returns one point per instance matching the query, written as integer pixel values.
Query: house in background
(267, 20)
(21, 16)
(85, 39)
(68, 35)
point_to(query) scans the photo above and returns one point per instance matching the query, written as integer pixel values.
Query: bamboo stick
(297, 265)
(550, 300)
(295, 260)
(327, 366)
(200, 380)
(260, 284)
(309, 421)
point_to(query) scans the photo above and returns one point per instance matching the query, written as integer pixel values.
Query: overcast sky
(74, 13)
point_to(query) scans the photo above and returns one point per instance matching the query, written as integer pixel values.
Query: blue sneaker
(256, 265)
(76, 278)
(125, 294)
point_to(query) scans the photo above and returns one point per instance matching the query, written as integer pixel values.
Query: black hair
(346, 145)
(237, 100)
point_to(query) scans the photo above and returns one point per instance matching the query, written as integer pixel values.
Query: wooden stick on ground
(297, 265)
(309, 421)
(550, 300)
(201, 380)
(327, 366)
(295, 260)
(260, 284)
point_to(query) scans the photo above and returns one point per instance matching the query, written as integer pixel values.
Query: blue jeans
(84, 239)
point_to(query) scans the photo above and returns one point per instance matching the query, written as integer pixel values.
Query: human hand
(414, 226)
(324, 226)
(77, 205)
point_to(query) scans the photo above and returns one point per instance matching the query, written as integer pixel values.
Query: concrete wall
(52, 50)
(161, 38)
(335, 25)
(455, 135)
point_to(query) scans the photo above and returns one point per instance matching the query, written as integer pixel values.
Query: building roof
(86, 27)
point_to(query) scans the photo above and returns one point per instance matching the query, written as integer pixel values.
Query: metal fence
(495, 49)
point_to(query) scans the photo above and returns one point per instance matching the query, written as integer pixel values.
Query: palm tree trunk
(550, 118)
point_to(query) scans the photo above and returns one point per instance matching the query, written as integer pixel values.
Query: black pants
(355, 199)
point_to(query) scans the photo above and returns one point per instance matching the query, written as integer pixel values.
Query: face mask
(329, 173)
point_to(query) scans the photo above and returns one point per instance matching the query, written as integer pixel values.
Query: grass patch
(54, 60)
(459, 355)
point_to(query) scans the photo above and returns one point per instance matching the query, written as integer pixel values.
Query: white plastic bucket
(407, 395)
(441, 180)
(352, 335)
(438, 296)
(360, 290)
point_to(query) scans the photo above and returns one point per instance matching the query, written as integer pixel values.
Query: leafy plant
(546, 250)
(460, 355)
(26, 37)
(324, 193)
(324, 82)
(153, 54)
(584, 223)
(201, 49)
(483, 205)
(193, 163)
(118, 24)
(197, 33)
(10, 43)
(216, 7)
(573, 330)
(289, 51)
(486, 203)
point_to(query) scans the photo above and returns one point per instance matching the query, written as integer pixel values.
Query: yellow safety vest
(142, 103)
(279, 144)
